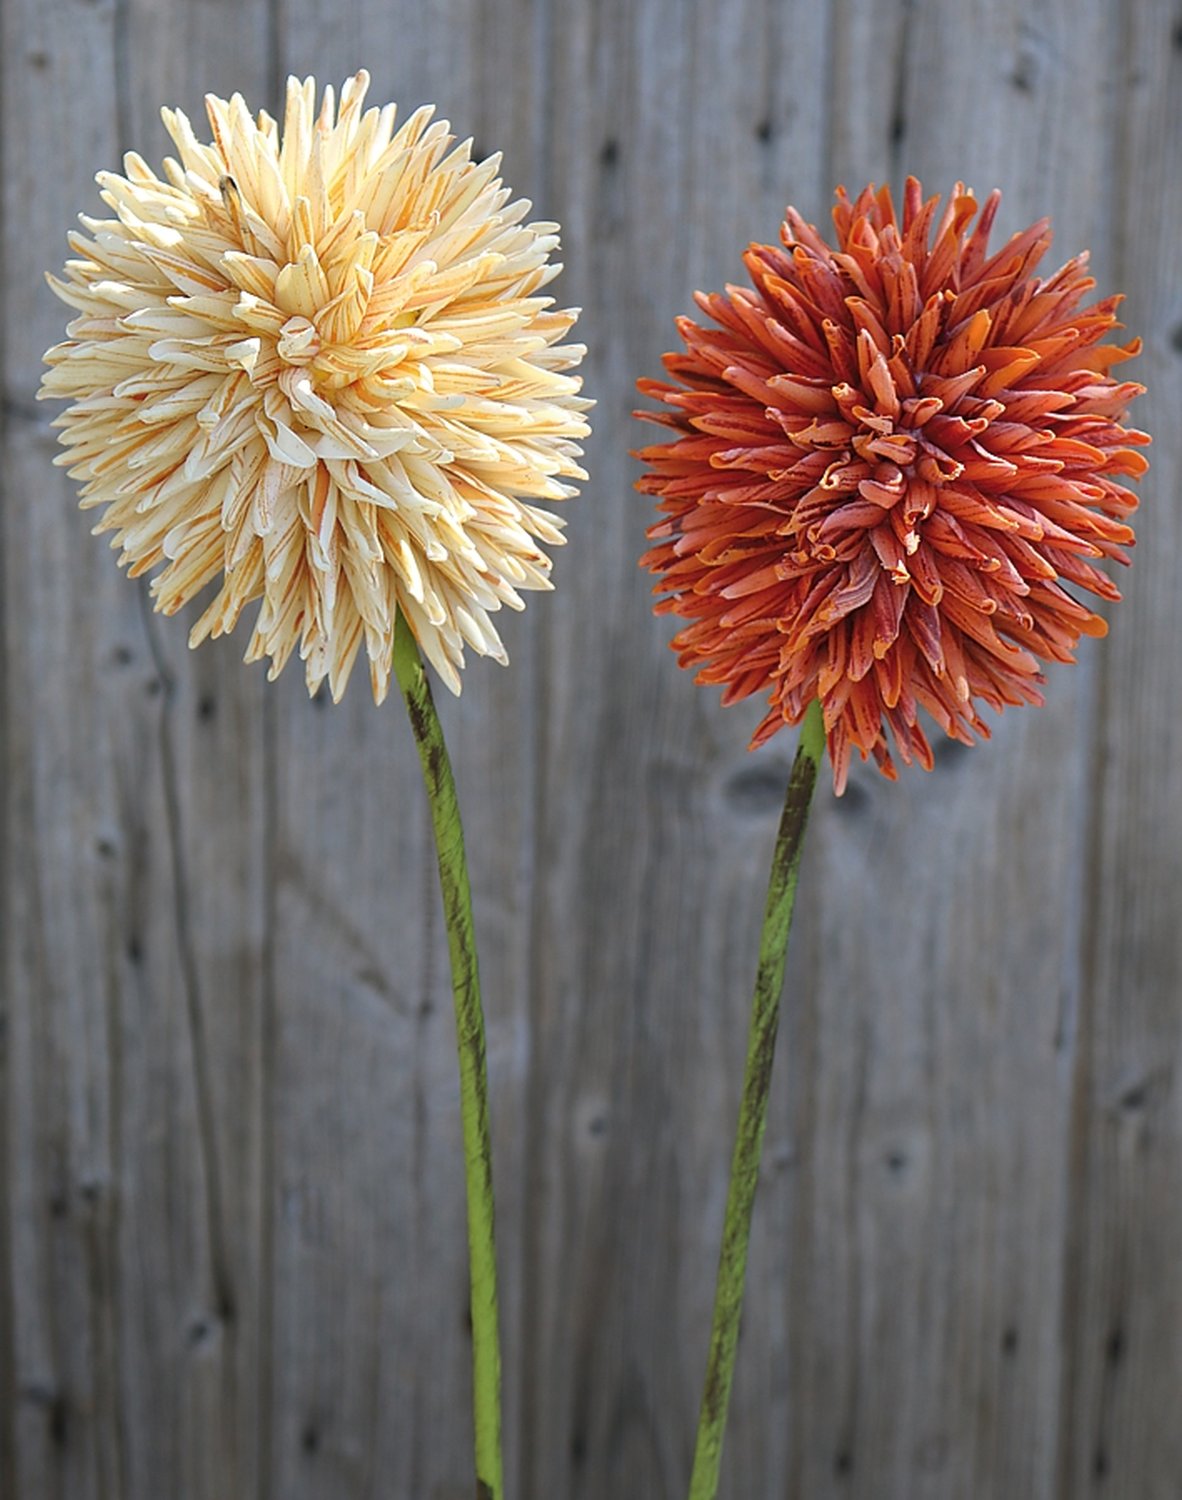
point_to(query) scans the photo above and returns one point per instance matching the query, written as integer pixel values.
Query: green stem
(461, 945)
(757, 1078)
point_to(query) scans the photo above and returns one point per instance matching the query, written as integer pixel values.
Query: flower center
(883, 448)
(299, 341)
(886, 459)
(901, 434)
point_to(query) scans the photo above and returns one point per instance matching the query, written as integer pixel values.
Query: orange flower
(889, 459)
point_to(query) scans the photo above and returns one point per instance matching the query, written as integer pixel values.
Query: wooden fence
(232, 1261)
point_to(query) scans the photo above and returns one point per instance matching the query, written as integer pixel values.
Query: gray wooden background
(232, 1259)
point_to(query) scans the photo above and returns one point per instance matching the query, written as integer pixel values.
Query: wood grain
(231, 1201)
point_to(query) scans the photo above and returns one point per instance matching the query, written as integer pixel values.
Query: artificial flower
(892, 461)
(311, 367)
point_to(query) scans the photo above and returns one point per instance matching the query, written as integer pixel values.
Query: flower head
(889, 459)
(312, 365)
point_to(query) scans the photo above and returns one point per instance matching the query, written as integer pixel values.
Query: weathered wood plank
(372, 1347)
(232, 1229)
(214, 751)
(676, 141)
(933, 1066)
(1122, 1312)
(134, 888)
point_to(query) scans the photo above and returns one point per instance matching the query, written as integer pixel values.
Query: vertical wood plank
(676, 133)
(372, 1340)
(212, 750)
(1123, 1299)
(133, 887)
(932, 1066)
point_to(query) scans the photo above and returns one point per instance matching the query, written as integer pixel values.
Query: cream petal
(309, 360)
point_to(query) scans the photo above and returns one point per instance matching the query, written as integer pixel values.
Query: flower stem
(761, 1046)
(461, 944)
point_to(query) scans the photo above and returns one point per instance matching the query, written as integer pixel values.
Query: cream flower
(312, 366)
